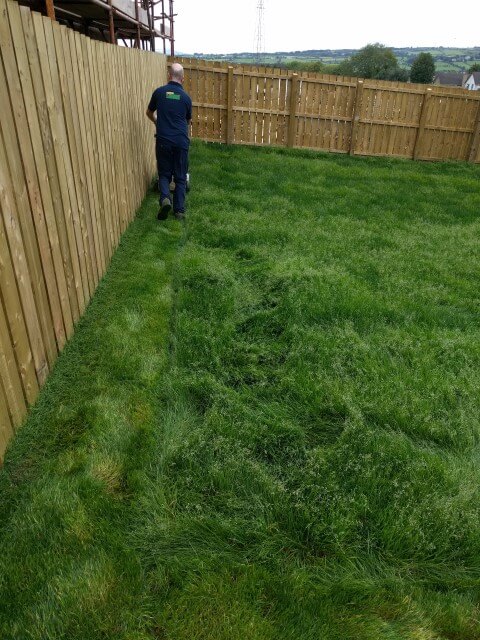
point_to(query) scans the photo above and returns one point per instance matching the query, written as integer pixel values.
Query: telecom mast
(259, 32)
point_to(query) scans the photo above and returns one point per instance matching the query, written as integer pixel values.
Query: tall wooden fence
(264, 106)
(76, 157)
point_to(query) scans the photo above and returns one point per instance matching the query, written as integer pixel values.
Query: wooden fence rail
(264, 106)
(76, 158)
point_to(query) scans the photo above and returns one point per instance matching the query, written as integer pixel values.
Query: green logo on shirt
(172, 96)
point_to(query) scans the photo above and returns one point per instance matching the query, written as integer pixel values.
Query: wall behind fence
(264, 106)
(76, 158)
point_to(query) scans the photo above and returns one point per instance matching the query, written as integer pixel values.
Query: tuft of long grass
(267, 423)
(318, 474)
(75, 468)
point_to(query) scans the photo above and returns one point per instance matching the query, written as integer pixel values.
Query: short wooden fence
(76, 158)
(264, 106)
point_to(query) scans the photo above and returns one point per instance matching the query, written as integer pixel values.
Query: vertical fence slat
(9, 211)
(357, 108)
(6, 426)
(293, 99)
(230, 113)
(37, 121)
(475, 143)
(56, 221)
(9, 374)
(422, 123)
(64, 210)
(13, 308)
(65, 166)
(34, 166)
(17, 205)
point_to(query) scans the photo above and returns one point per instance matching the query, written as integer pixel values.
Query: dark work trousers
(172, 161)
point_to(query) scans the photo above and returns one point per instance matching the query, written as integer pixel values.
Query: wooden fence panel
(74, 167)
(450, 127)
(326, 108)
(388, 123)
(334, 113)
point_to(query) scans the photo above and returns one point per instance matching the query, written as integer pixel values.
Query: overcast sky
(227, 26)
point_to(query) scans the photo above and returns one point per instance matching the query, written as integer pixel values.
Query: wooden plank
(85, 79)
(121, 167)
(69, 101)
(56, 223)
(125, 170)
(239, 101)
(6, 425)
(9, 374)
(268, 132)
(66, 171)
(230, 101)
(15, 319)
(10, 202)
(293, 99)
(56, 144)
(475, 141)
(107, 140)
(301, 138)
(37, 182)
(209, 99)
(274, 121)
(356, 111)
(253, 97)
(247, 102)
(201, 98)
(12, 231)
(80, 172)
(47, 225)
(24, 184)
(87, 173)
(422, 123)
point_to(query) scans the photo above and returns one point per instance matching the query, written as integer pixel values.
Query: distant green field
(446, 59)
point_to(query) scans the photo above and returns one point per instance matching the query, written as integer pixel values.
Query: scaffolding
(133, 23)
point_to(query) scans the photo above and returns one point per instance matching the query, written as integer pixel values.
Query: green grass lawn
(267, 424)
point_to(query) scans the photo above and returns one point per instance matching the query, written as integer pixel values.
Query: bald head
(176, 72)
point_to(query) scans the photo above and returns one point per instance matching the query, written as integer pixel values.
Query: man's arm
(151, 115)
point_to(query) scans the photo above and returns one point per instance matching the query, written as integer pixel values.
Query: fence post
(421, 125)
(292, 125)
(230, 90)
(50, 9)
(476, 138)
(357, 106)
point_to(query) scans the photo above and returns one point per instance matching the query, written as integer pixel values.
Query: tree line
(378, 62)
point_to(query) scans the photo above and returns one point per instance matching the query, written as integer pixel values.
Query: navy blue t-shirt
(174, 110)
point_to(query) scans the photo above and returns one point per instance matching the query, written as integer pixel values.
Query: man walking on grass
(170, 109)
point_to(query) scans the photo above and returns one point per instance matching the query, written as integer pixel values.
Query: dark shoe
(179, 215)
(165, 209)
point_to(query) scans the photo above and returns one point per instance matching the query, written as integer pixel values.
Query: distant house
(472, 81)
(449, 79)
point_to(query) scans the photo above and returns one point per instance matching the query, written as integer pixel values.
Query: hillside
(446, 58)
